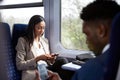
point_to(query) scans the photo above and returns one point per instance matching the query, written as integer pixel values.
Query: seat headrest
(18, 31)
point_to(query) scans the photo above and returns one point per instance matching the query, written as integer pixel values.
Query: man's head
(97, 18)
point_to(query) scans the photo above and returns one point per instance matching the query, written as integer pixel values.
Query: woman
(32, 49)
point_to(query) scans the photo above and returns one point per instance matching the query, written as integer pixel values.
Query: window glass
(19, 15)
(71, 25)
(8, 2)
(118, 1)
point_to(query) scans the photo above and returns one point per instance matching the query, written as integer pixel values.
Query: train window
(19, 11)
(8, 2)
(71, 25)
(72, 38)
(118, 1)
(19, 15)
(64, 27)
(58, 15)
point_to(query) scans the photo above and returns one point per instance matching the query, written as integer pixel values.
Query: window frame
(37, 4)
(19, 6)
(53, 31)
(52, 14)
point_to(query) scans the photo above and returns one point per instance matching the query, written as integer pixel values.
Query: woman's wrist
(37, 59)
(41, 58)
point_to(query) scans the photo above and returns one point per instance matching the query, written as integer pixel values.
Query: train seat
(8, 70)
(114, 53)
(18, 30)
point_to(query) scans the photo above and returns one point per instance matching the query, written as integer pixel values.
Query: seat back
(7, 67)
(18, 30)
(114, 50)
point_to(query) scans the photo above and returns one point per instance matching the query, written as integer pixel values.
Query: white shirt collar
(106, 48)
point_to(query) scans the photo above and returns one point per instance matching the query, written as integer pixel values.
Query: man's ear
(102, 31)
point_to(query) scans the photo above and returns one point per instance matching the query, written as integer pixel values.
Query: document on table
(71, 66)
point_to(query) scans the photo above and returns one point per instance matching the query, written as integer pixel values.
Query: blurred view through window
(19, 15)
(71, 24)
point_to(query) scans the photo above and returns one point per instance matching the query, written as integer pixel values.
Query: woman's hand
(44, 57)
(54, 56)
(53, 76)
(37, 75)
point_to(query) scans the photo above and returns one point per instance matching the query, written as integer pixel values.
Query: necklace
(39, 46)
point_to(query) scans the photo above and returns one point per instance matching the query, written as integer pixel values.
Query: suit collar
(105, 48)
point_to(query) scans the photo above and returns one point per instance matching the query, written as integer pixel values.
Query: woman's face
(39, 28)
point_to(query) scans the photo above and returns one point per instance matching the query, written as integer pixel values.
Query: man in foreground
(97, 18)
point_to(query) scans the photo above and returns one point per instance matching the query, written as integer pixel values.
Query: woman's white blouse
(38, 51)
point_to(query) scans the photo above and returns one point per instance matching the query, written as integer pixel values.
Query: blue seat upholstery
(18, 30)
(7, 68)
(114, 53)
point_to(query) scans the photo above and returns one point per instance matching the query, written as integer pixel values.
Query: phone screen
(43, 71)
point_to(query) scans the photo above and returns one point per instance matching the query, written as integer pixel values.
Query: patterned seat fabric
(18, 30)
(8, 69)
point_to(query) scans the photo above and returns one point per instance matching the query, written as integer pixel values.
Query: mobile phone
(55, 54)
(43, 71)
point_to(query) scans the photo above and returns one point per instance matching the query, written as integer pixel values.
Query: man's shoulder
(98, 61)
(89, 70)
(93, 68)
(92, 62)
(95, 64)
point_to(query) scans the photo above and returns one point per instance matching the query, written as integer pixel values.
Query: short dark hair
(100, 9)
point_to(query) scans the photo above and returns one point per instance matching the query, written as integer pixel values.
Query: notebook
(70, 66)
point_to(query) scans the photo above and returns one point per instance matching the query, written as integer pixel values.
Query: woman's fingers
(37, 75)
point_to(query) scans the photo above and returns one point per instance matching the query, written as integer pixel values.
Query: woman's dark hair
(29, 37)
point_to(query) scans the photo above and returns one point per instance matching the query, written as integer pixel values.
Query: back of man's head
(100, 9)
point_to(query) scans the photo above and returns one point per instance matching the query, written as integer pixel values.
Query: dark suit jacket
(93, 69)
